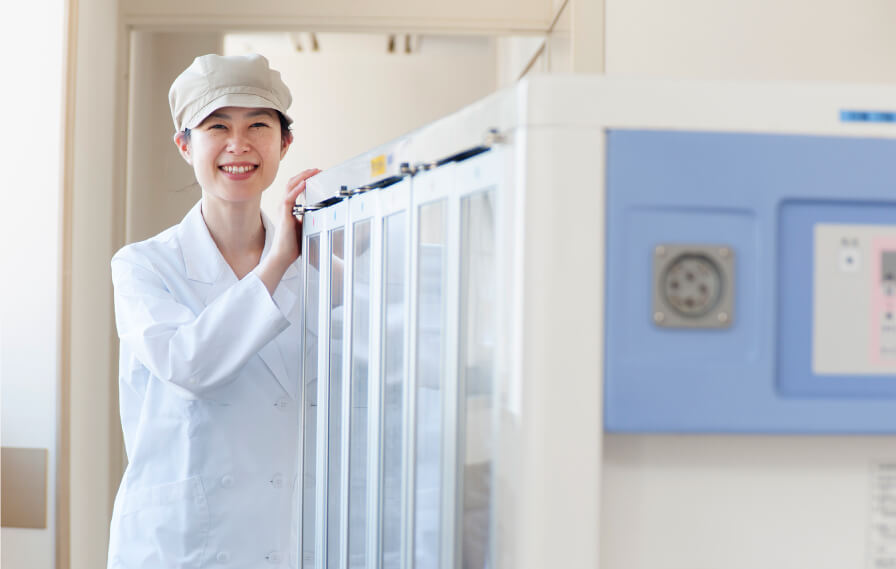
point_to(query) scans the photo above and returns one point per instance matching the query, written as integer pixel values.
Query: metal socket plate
(693, 285)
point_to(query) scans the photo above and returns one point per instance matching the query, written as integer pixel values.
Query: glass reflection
(430, 317)
(309, 453)
(477, 355)
(394, 294)
(357, 491)
(334, 412)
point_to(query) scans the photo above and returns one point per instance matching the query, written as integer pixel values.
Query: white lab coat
(209, 381)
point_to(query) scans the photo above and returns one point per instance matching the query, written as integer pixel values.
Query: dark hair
(285, 130)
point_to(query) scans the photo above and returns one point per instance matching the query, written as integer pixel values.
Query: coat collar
(203, 261)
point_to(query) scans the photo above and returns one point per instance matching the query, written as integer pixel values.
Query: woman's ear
(183, 145)
(285, 141)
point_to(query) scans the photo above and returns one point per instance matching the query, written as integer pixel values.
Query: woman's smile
(238, 170)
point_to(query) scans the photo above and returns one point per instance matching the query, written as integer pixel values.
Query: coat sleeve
(196, 352)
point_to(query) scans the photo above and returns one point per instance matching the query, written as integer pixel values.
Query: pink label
(883, 305)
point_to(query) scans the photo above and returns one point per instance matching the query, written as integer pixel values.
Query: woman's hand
(287, 245)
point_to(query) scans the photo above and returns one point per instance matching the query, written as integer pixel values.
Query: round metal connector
(692, 285)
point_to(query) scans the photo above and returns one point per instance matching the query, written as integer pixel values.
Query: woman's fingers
(294, 188)
(293, 193)
(289, 200)
(301, 177)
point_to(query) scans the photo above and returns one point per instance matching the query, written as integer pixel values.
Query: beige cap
(215, 81)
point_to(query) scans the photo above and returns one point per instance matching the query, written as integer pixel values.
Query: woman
(208, 316)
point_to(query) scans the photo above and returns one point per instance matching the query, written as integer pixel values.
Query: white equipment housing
(455, 335)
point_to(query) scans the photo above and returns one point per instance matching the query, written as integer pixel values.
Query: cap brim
(234, 100)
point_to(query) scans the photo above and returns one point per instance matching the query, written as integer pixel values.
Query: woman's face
(235, 152)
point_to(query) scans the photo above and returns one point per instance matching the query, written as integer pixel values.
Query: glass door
(365, 276)
(335, 395)
(394, 388)
(478, 185)
(433, 371)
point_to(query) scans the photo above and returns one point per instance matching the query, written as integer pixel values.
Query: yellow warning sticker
(378, 166)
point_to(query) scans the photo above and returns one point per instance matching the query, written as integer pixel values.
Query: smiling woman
(208, 317)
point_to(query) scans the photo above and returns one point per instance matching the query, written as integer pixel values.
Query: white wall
(30, 253)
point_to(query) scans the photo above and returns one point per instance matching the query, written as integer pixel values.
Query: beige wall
(839, 40)
(571, 42)
(832, 40)
(161, 185)
(575, 42)
(430, 16)
(518, 56)
(96, 217)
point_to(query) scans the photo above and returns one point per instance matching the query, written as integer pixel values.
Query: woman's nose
(237, 142)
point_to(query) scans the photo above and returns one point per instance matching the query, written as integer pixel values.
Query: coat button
(282, 403)
(222, 557)
(227, 481)
(276, 481)
(273, 557)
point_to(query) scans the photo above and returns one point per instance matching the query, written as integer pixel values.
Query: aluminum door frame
(428, 187)
(312, 226)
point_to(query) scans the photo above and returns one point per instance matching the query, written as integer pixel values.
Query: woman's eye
(217, 126)
(259, 124)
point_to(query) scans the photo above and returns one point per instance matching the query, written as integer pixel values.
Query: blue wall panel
(760, 195)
